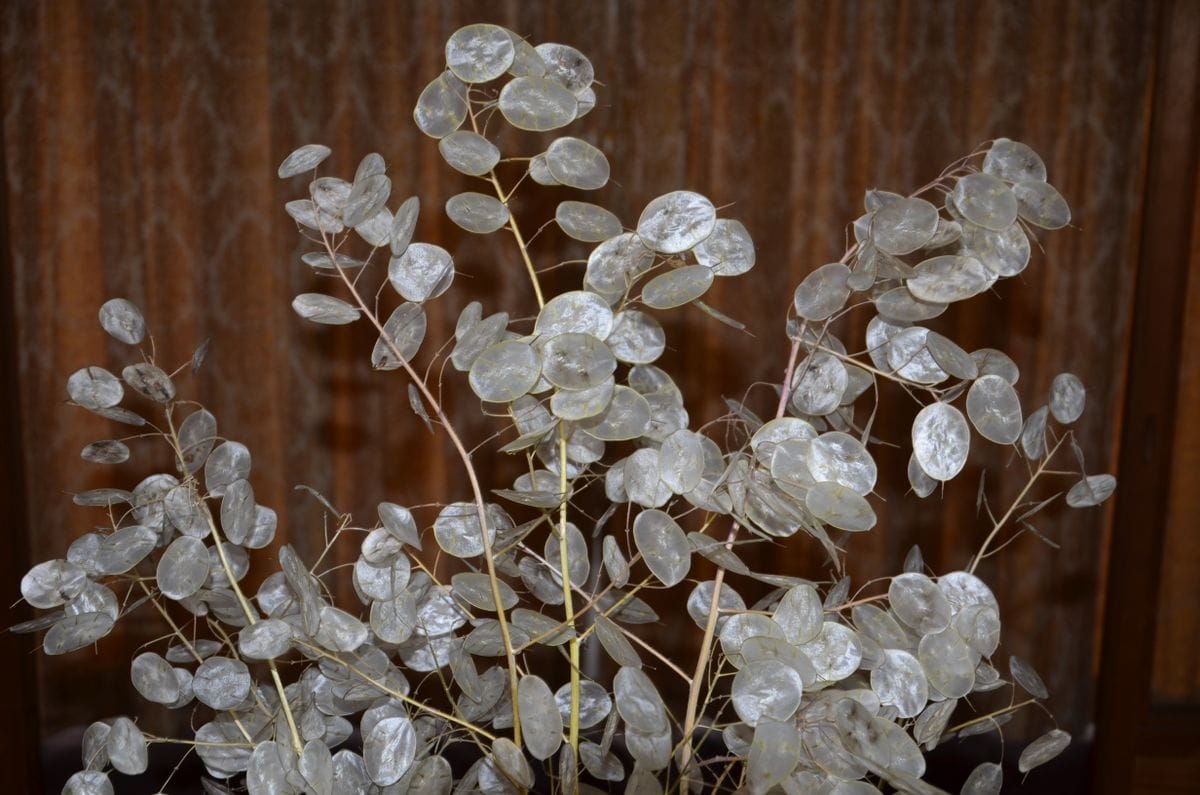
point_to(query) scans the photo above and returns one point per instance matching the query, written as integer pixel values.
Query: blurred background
(140, 142)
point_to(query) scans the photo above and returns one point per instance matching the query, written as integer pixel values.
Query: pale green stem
(472, 477)
(247, 610)
(568, 607)
(1012, 508)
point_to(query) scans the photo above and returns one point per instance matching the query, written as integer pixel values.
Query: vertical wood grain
(18, 736)
(1128, 728)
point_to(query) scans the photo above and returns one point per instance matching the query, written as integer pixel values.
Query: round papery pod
(265, 640)
(404, 222)
(882, 627)
(990, 361)
(1043, 749)
(985, 201)
(995, 409)
(95, 388)
(1013, 161)
(699, 604)
(941, 440)
(587, 222)
(469, 152)
(835, 652)
(422, 272)
(154, 678)
(577, 164)
(567, 65)
(985, 779)
(615, 264)
(477, 212)
(458, 532)
(1091, 490)
(127, 748)
(541, 722)
(919, 603)
(389, 750)
(839, 457)
(442, 106)
(270, 766)
(576, 311)
(94, 598)
(53, 583)
(799, 614)
(221, 683)
(663, 546)
(1067, 397)
(819, 383)
(438, 613)
(539, 171)
(767, 689)
(123, 321)
(728, 250)
(505, 371)
(595, 703)
(576, 361)
(909, 357)
(903, 225)
(1042, 205)
(537, 104)
(88, 782)
(677, 287)
(676, 222)
(479, 53)
(742, 626)
(822, 292)
(638, 701)
(650, 749)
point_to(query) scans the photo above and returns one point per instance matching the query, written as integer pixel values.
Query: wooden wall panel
(141, 140)
(1177, 633)
(1145, 742)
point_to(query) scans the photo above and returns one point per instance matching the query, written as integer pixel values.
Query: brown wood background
(140, 141)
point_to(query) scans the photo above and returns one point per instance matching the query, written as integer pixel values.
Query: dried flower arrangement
(811, 689)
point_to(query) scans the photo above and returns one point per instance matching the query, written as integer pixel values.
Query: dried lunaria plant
(812, 689)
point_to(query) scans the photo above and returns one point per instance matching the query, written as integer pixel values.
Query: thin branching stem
(191, 649)
(472, 477)
(710, 627)
(991, 715)
(1016, 503)
(512, 225)
(394, 693)
(568, 606)
(243, 602)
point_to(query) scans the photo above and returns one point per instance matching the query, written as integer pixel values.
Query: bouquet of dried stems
(465, 675)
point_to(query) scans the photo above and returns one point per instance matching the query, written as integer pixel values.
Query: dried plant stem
(472, 477)
(658, 655)
(999, 524)
(991, 715)
(904, 382)
(151, 738)
(590, 604)
(250, 617)
(693, 702)
(710, 627)
(187, 644)
(866, 600)
(247, 610)
(512, 224)
(568, 606)
(391, 691)
(613, 608)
